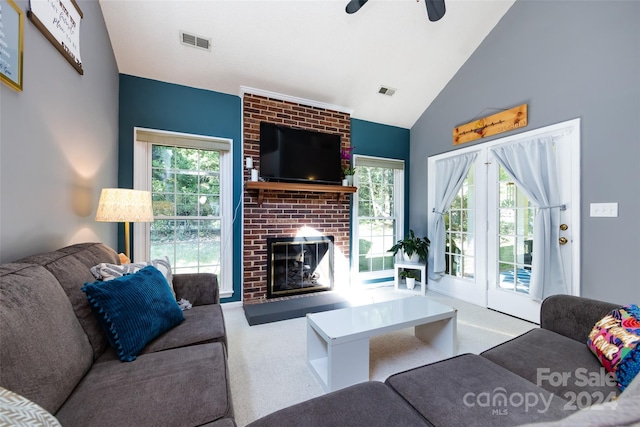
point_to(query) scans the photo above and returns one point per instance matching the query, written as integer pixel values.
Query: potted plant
(410, 277)
(348, 170)
(415, 249)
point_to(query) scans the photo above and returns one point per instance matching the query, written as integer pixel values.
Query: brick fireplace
(289, 214)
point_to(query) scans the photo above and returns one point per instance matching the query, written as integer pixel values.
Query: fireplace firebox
(298, 265)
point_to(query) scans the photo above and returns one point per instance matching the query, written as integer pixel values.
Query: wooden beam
(503, 121)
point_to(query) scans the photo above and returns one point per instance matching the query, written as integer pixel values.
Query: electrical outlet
(604, 210)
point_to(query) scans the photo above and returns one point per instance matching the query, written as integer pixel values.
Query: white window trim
(399, 202)
(142, 181)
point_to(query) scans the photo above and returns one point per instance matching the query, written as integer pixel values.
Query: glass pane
(468, 267)
(209, 205)
(163, 204)
(187, 182)
(186, 158)
(162, 181)
(364, 264)
(507, 221)
(162, 231)
(209, 184)
(186, 205)
(209, 161)
(162, 157)
(507, 249)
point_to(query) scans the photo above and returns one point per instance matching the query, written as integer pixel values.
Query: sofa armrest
(572, 316)
(197, 288)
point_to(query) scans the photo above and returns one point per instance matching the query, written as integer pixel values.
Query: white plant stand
(421, 286)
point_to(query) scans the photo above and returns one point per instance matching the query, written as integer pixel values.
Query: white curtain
(532, 166)
(450, 174)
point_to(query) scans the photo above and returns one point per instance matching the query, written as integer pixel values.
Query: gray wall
(566, 59)
(58, 142)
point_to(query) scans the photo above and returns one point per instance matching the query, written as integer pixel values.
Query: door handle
(564, 227)
(563, 240)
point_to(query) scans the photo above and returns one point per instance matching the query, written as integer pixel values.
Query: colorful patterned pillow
(106, 271)
(614, 340)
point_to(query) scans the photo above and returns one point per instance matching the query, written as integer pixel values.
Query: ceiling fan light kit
(435, 8)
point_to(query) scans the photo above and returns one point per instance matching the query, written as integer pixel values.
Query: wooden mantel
(288, 186)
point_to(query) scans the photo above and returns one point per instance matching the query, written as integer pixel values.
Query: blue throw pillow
(133, 310)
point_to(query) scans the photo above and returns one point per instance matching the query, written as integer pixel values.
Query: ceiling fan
(435, 8)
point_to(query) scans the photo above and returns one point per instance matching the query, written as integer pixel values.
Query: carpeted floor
(267, 363)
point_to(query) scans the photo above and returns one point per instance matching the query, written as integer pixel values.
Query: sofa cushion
(44, 351)
(71, 267)
(16, 410)
(623, 411)
(614, 340)
(469, 390)
(181, 387)
(554, 362)
(202, 324)
(107, 271)
(367, 404)
(134, 309)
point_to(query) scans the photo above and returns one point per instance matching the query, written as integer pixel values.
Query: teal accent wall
(165, 106)
(391, 142)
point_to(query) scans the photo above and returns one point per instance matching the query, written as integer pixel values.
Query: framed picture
(59, 21)
(11, 43)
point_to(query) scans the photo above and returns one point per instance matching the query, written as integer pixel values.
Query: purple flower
(345, 154)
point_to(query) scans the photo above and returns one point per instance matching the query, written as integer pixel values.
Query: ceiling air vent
(195, 41)
(384, 90)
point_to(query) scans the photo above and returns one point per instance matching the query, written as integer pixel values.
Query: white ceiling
(305, 48)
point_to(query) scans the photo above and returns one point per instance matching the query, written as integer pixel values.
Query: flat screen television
(296, 155)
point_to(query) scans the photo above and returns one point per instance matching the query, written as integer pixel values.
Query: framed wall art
(11, 44)
(59, 21)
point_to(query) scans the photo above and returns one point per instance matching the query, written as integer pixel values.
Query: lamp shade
(124, 205)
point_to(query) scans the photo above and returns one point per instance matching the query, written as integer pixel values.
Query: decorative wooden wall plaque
(491, 125)
(59, 21)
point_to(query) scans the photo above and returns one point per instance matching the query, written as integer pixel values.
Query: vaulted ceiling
(305, 48)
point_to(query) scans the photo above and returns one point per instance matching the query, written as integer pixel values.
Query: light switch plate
(604, 210)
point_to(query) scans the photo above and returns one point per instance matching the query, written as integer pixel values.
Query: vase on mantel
(345, 182)
(349, 179)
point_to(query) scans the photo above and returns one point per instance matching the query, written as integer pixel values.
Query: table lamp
(124, 205)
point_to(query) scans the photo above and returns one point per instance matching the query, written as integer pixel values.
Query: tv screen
(295, 155)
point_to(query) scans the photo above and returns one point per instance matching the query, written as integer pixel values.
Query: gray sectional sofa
(54, 352)
(547, 375)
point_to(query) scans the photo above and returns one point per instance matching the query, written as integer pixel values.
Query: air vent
(195, 41)
(385, 90)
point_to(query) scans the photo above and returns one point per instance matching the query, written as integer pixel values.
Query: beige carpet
(267, 363)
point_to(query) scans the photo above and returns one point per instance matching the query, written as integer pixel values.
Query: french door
(489, 253)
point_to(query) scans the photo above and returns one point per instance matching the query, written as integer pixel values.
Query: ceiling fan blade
(435, 9)
(354, 5)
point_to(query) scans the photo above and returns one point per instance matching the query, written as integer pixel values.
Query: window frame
(142, 156)
(399, 213)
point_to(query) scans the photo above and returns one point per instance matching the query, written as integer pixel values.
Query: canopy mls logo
(499, 401)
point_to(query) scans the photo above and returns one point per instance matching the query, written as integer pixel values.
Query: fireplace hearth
(298, 265)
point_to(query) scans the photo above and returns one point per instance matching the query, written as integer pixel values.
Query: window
(190, 181)
(459, 227)
(379, 213)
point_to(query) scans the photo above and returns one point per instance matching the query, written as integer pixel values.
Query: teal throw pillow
(133, 310)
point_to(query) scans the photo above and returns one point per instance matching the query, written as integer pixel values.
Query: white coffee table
(338, 340)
